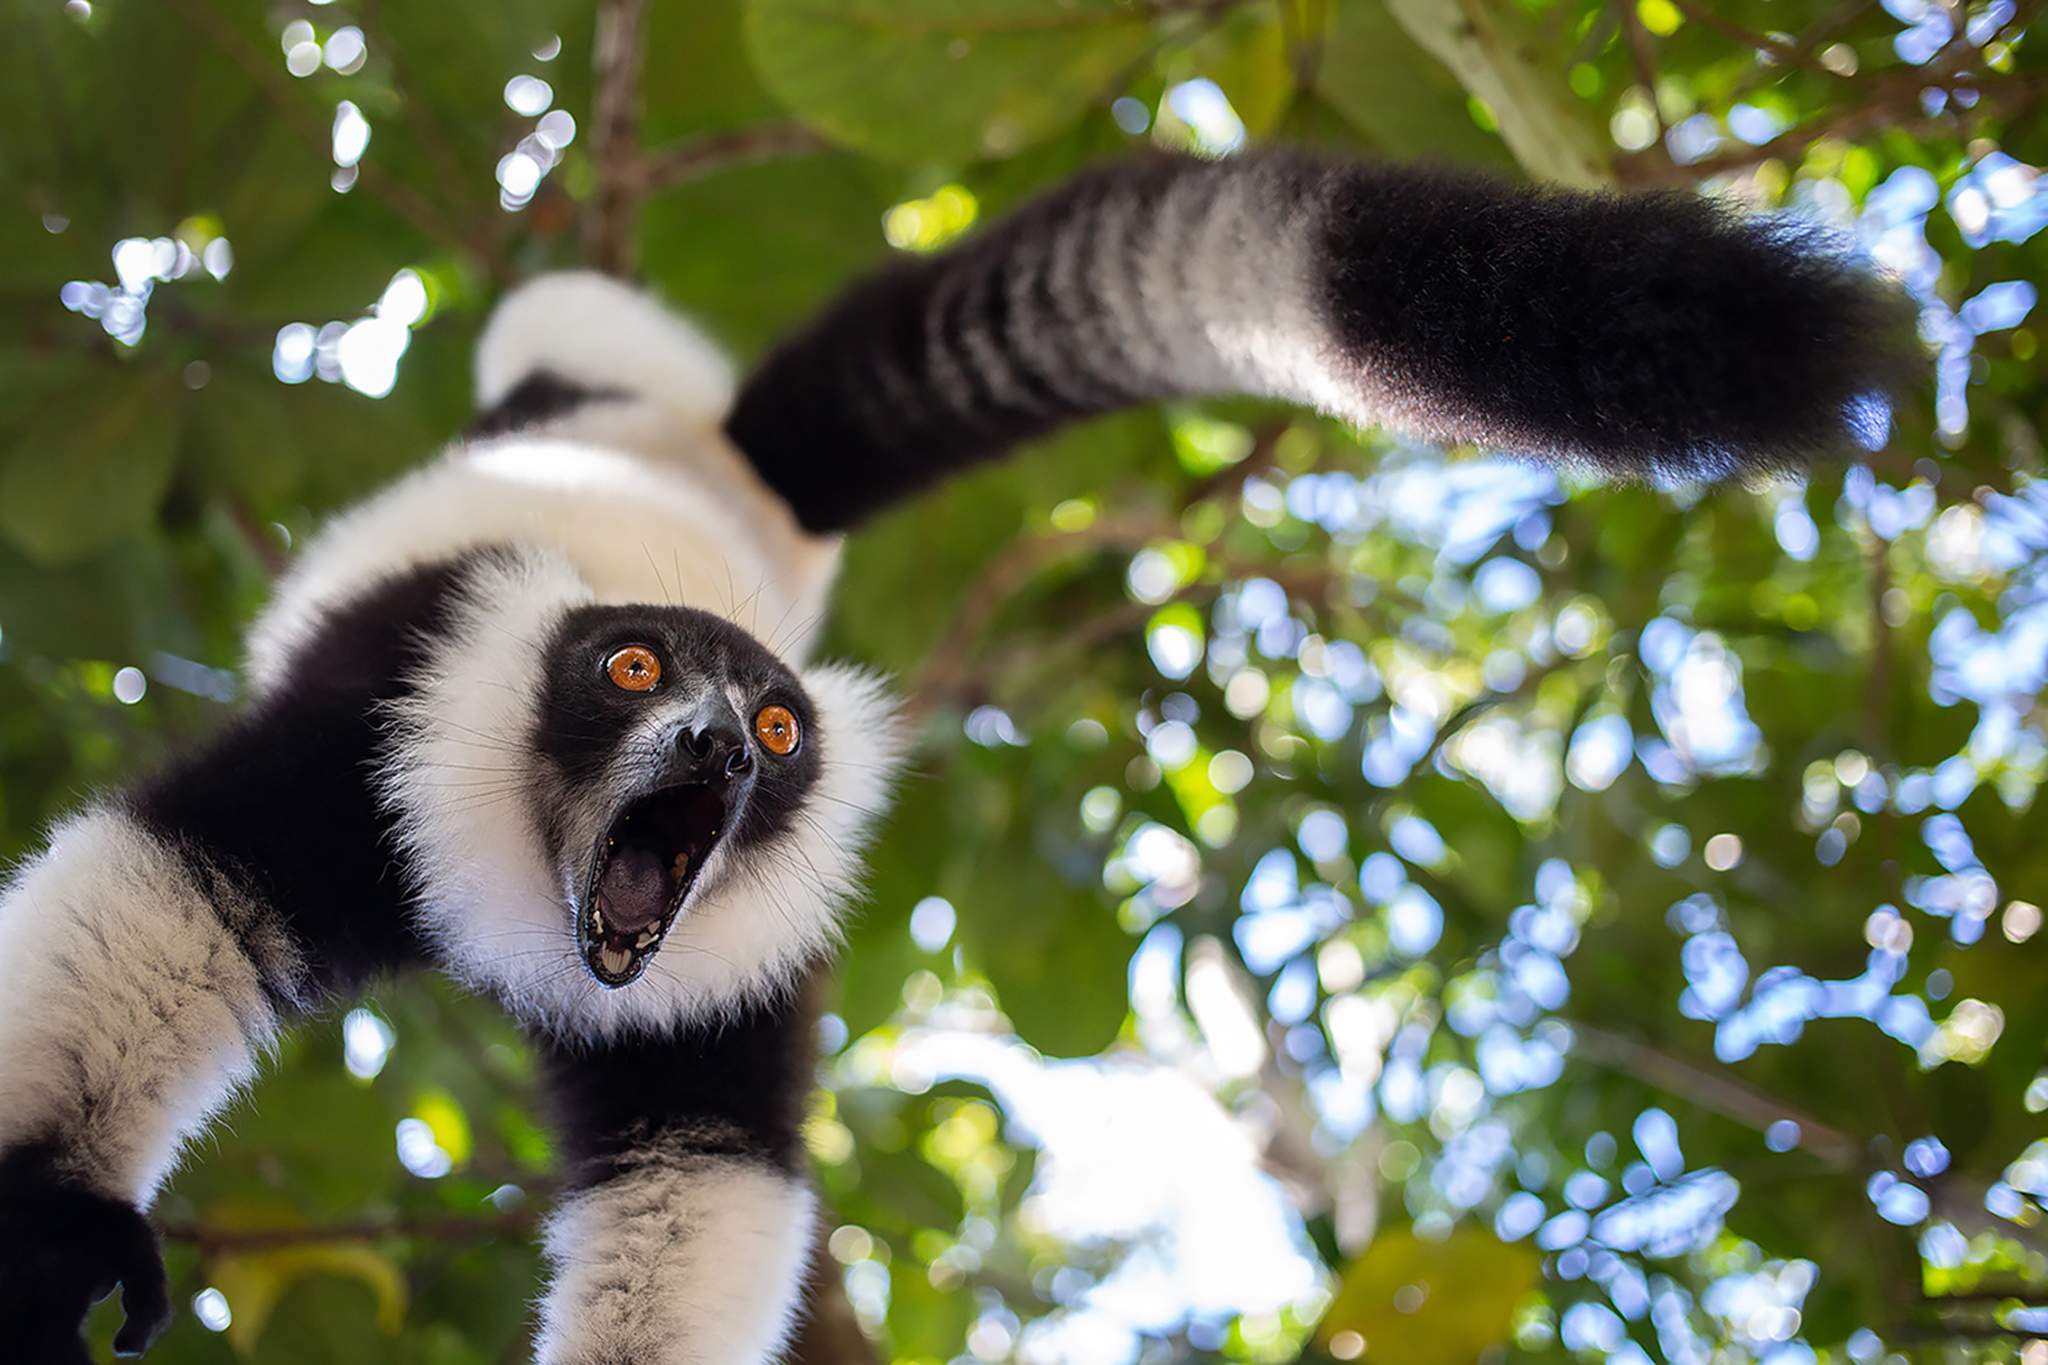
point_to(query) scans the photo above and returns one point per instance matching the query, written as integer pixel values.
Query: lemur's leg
(152, 951)
(689, 1225)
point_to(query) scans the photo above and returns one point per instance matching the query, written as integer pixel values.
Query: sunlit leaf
(967, 78)
(1422, 1302)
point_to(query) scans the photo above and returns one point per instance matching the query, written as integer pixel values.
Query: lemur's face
(677, 753)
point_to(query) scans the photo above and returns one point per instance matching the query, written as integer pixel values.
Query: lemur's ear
(1661, 334)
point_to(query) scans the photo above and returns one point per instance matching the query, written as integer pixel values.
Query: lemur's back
(599, 436)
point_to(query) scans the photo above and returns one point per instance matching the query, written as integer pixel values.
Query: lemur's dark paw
(63, 1248)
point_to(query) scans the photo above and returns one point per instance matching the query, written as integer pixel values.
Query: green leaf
(1247, 56)
(90, 468)
(1488, 44)
(1391, 89)
(1421, 1302)
(943, 80)
(254, 1282)
(313, 1305)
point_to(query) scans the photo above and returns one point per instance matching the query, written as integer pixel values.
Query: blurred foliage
(1610, 915)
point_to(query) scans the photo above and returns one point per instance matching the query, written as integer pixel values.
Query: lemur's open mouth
(645, 867)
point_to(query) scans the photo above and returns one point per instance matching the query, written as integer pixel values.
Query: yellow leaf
(440, 1111)
(1419, 1302)
(253, 1282)
(1661, 17)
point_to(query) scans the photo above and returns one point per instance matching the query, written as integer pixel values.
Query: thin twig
(216, 1241)
(1877, 701)
(1230, 480)
(1715, 1090)
(946, 665)
(1809, 45)
(415, 208)
(260, 538)
(433, 137)
(1642, 53)
(1025, 661)
(609, 222)
(1885, 114)
(1484, 702)
(701, 156)
(1780, 52)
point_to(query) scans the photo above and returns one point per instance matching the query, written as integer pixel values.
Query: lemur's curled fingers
(64, 1247)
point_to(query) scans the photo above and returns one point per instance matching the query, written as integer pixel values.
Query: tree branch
(1714, 1090)
(1763, 44)
(1643, 55)
(946, 665)
(1888, 112)
(1810, 43)
(451, 1227)
(260, 538)
(686, 161)
(610, 219)
(970, 684)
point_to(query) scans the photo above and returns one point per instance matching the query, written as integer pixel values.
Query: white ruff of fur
(489, 898)
(680, 1261)
(132, 1012)
(638, 488)
(634, 528)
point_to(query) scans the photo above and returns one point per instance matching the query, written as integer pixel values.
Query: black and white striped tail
(1659, 334)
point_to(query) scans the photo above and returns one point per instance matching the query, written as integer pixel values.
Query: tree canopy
(1355, 899)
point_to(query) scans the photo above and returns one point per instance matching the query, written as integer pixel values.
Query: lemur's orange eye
(634, 668)
(776, 728)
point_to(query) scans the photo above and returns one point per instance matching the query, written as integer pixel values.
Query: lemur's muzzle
(658, 844)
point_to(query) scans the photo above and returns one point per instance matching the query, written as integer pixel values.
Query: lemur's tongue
(635, 891)
(645, 867)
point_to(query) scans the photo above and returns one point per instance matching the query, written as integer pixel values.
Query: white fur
(620, 502)
(498, 911)
(640, 492)
(603, 334)
(635, 530)
(132, 1013)
(627, 500)
(681, 1260)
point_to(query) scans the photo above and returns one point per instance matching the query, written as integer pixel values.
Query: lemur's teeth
(616, 960)
(681, 867)
(597, 918)
(647, 939)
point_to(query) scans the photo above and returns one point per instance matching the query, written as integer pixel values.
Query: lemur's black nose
(716, 752)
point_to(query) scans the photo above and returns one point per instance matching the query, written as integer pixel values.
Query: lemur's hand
(63, 1248)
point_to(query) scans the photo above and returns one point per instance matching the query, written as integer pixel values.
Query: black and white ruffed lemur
(482, 737)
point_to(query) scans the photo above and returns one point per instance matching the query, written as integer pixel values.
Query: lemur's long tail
(1658, 333)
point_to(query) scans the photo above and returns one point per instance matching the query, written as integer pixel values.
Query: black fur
(844, 419)
(1655, 334)
(583, 718)
(280, 803)
(730, 1089)
(68, 1246)
(540, 397)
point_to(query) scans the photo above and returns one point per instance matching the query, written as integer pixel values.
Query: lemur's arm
(149, 955)
(1646, 334)
(684, 1235)
(137, 989)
